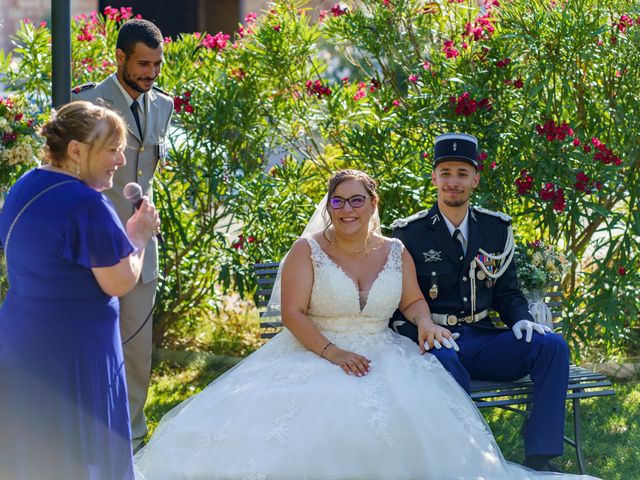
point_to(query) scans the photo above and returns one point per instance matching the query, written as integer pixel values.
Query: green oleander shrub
(264, 114)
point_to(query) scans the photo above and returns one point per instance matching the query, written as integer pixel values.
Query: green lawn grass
(610, 425)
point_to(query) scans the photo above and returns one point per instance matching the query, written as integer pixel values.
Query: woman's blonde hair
(85, 122)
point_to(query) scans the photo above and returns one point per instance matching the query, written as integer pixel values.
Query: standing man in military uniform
(464, 262)
(147, 111)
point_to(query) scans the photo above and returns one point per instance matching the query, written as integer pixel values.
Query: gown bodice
(335, 300)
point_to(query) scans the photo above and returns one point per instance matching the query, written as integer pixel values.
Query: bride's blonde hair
(369, 184)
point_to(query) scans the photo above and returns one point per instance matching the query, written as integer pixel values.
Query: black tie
(136, 117)
(457, 236)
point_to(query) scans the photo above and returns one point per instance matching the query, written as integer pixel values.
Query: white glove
(447, 342)
(528, 326)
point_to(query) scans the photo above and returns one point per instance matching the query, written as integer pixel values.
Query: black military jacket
(437, 260)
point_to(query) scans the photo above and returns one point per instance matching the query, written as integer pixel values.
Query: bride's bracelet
(325, 349)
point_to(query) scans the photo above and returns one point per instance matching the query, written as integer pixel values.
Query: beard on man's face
(129, 80)
(455, 203)
(458, 202)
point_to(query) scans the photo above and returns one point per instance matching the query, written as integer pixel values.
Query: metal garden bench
(514, 396)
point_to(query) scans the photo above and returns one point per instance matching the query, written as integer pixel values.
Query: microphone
(133, 192)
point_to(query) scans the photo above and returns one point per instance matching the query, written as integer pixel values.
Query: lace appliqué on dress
(282, 429)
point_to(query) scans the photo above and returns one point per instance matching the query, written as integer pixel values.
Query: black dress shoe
(541, 463)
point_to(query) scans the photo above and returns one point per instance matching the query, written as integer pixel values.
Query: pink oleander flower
(360, 94)
(217, 41)
(449, 49)
(250, 17)
(413, 78)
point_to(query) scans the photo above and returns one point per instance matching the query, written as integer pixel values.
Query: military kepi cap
(460, 147)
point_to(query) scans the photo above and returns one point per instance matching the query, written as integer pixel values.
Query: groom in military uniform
(465, 267)
(147, 111)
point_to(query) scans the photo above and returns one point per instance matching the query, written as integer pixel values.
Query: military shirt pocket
(432, 277)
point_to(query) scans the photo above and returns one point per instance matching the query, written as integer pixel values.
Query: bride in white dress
(336, 395)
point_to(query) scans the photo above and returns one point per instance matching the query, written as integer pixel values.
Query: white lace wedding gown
(285, 413)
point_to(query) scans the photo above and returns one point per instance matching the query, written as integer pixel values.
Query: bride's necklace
(347, 250)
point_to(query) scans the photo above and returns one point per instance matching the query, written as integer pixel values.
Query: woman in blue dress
(63, 400)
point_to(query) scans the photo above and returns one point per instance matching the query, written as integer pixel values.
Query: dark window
(174, 17)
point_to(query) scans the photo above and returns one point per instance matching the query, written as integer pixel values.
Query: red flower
(559, 203)
(503, 63)
(338, 10)
(518, 83)
(316, 88)
(551, 193)
(465, 105)
(624, 23)
(582, 181)
(277, 28)
(524, 183)
(239, 244)
(481, 28)
(177, 104)
(449, 50)
(548, 192)
(622, 271)
(554, 132)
